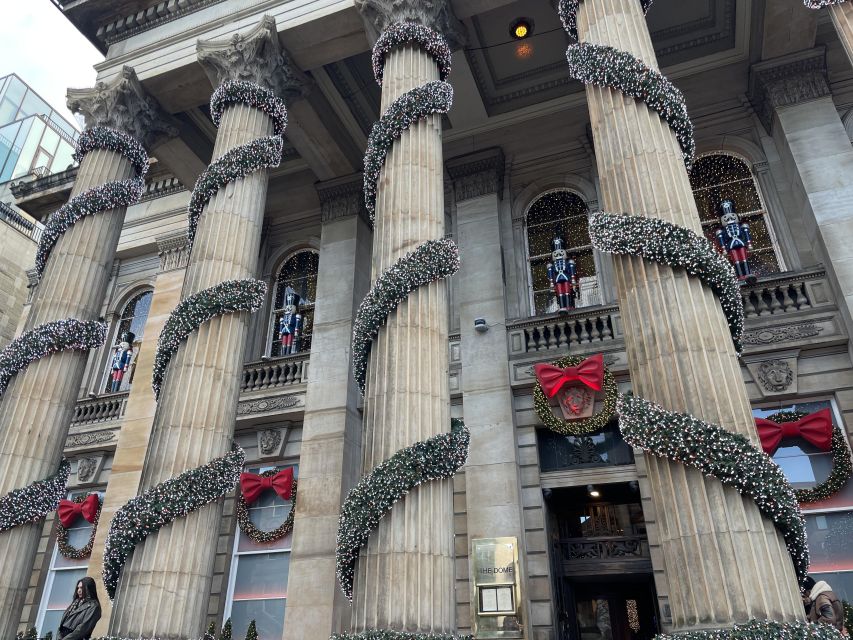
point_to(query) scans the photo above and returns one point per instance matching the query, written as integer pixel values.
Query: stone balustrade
(100, 409)
(275, 373)
(783, 293)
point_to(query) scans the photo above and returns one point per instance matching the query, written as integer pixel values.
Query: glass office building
(34, 138)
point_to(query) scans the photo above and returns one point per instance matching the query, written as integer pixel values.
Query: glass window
(49, 141)
(297, 276)
(62, 578)
(559, 214)
(20, 132)
(721, 176)
(15, 90)
(28, 150)
(64, 157)
(121, 365)
(606, 448)
(33, 105)
(258, 584)
(804, 464)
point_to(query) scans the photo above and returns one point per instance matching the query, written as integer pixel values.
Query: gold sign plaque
(496, 588)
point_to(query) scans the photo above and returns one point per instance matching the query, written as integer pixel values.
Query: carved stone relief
(262, 405)
(270, 442)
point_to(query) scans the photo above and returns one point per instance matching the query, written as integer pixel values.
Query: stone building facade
(612, 542)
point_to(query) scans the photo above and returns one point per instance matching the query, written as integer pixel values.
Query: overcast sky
(39, 44)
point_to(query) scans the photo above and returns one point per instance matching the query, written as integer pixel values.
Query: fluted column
(330, 460)
(714, 545)
(842, 18)
(164, 588)
(405, 578)
(37, 407)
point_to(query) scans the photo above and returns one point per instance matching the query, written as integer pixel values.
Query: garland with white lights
(583, 426)
(45, 339)
(438, 458)
(33, 502)
(163, 504)
(659, 241)
(762, 630)
(258, 535)
(569, 14)
(819, 4)
(729, 457)
(110, 195)
(70, 552)
(226, 297)
(404, 33)
(842, 465)
(375, 634)
(431, 261)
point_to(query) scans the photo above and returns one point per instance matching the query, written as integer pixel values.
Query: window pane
(261, 575)
(15, 90)
(830, 538)
(63, 158)
(28, 151)
(49, 141)
(841, 583)
(51, 622)
(33, 105)
(267, 614)
(62, 590)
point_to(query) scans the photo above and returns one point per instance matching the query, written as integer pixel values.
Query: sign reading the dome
(496, 588)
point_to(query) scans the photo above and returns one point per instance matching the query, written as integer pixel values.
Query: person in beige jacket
(826, 608)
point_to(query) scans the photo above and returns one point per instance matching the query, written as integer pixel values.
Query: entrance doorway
(602, 566)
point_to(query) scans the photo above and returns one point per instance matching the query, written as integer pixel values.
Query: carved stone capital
(173, 251)
(255, 56)
(477, 174)
(787, 80)
(122, 103)
(436, 14)
(342, 197)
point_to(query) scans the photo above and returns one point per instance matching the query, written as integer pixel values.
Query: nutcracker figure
(563, 277)
(290, 324)
(735, 241)
(122, 357)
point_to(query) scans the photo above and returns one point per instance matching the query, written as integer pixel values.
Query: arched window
(721, 176)
(121, 362)
(560, 213)
(298, 277)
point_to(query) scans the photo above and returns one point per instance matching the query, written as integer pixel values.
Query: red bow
(590, 372)
(69, 511)
(253, 485)
(815, 427)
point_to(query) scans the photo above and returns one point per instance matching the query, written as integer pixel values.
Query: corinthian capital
(122, 103)
(436, 14)
(255, 56)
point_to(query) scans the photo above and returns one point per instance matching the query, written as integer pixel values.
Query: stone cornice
(130, 25)
(436, 14)
(787, 80)
(342, 197)
(477, 174)
(255, 56)
(123, 104)
(173, 251)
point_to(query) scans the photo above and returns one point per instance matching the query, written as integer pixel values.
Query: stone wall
(17, 254)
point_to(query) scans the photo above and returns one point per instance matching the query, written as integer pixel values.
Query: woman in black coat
(83, 613)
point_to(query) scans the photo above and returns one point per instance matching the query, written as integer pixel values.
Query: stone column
(132, 445)
(37, 407)
(714, 545)
(164, 587)
(792, 98)
(842, 18)
(492, 483)
(330, 462)
(405, 575)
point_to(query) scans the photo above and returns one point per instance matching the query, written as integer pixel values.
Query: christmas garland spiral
(443, 455)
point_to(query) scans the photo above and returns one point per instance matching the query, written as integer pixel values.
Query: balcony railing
(578, 550)
(17, 221)
(775, 295)
(272, 374)
(101, 409)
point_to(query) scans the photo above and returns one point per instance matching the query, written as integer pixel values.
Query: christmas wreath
(842, 465)
(86, 507)
(243, 501)
(585, 425)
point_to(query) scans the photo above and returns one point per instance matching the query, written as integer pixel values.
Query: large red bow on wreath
(253, 485)
(69, 510)
(589, 372)
(815, 428)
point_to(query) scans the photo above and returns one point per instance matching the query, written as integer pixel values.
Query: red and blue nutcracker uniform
(562, 275)
(290, 325)
(121, 360)
(735, 240)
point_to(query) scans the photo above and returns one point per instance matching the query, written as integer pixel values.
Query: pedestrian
(826, 607)
(82, 614)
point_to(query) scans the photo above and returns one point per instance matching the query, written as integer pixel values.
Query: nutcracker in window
(563, 277)
(290, 324)
(122, 357)
(735, 240)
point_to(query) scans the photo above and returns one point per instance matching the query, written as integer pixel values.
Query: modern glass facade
(33, 136)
